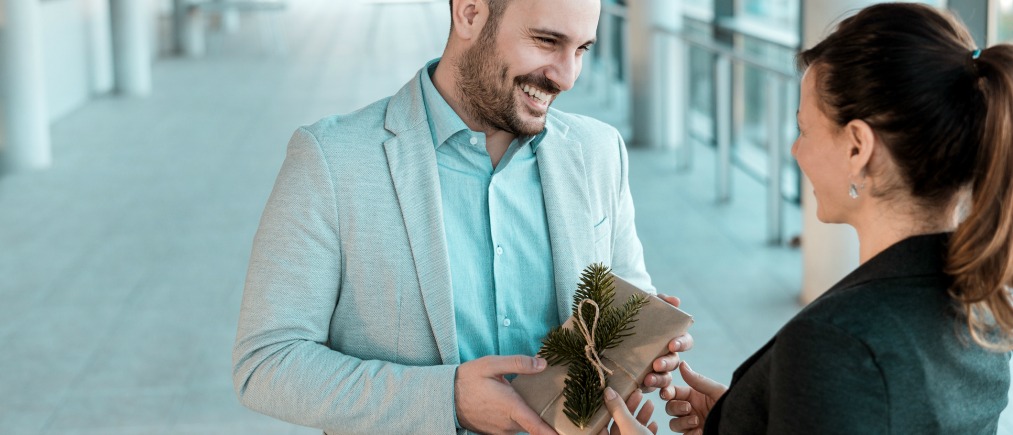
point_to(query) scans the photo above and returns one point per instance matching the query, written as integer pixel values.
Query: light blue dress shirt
(497, 236)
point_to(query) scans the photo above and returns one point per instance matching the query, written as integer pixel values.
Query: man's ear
(861, 142)
(468, 18)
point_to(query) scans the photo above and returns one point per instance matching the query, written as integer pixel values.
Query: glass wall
(701, 89)
(780, 14)
(1004, 25)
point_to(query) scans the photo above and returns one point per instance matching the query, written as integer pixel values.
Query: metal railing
(777, 80)
(613, 68)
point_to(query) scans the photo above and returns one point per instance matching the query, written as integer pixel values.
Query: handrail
(731, 53)
(724, 56)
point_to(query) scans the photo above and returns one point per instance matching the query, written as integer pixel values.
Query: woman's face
(822, 155)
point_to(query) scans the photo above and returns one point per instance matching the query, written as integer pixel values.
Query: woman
(905, 129)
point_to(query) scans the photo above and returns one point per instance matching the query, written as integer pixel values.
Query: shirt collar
(444, 122)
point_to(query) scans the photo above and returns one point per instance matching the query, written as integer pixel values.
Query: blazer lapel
(411, 158)
(567, 210)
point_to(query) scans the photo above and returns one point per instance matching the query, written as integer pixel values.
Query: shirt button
(499, 250)
(474, 140)
(506, 322)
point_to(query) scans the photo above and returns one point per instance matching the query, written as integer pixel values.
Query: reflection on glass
(750, 129)
(1005, 27)
(782, 14)
(701, 76)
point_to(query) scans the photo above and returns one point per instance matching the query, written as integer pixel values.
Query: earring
(854, 188)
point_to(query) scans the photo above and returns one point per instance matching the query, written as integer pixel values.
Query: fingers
(681, 393)
(672, 300)
(684, 424)
(619, 411)
(512, 364)
(681, 343)
(634, 401)
(667, 393)
(657, 380)
(701, 383)
(646, 412)
(678, 408)
(666, 363)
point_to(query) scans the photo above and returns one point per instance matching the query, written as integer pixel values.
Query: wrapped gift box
(656, 324)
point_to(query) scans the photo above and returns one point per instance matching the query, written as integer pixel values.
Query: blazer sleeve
(825, 381)
(282, 366)
(627, 251)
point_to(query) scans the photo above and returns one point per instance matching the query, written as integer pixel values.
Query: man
(407, 246)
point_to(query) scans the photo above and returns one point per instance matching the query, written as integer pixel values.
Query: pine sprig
(562, 346)
(597, 285)
(582, 388)
(617, 322)
(583, 393)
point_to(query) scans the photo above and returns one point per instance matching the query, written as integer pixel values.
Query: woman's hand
(690, 405)
(622, 414)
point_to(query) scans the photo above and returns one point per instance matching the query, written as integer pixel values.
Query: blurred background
(140, 139)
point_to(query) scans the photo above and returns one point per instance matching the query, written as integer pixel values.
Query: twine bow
(590, 352)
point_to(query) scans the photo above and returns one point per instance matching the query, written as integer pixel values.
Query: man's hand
(485, 401)
(622, 415)
(690, 405)
(665, 364)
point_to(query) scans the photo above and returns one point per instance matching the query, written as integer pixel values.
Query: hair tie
(976, 54)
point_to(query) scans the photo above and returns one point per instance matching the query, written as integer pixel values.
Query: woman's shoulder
(882, 306)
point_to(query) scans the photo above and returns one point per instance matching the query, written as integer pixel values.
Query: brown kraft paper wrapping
(656, 324)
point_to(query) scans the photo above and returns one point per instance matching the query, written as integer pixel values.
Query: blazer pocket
(603, 241)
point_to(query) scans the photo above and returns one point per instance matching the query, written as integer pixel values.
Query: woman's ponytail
(981, 250)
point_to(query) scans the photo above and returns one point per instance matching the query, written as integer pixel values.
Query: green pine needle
(617, 322)
(582, 389)
(583, 392)
(595, 284)
(562, 346)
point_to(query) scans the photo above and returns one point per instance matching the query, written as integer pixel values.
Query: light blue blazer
(347, 321)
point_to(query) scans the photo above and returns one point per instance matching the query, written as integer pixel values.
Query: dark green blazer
(885, 351)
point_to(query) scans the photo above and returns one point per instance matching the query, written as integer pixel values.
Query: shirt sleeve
(825, 380)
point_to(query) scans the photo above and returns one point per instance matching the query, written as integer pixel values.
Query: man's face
(510, 76)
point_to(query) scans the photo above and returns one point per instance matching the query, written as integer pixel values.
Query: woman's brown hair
(944, 110)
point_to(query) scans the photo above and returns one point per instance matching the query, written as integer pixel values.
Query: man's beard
(487, 94)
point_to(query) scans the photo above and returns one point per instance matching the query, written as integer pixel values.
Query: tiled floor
(121, 268)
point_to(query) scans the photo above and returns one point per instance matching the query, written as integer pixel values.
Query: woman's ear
(468, 18)
(861, 142)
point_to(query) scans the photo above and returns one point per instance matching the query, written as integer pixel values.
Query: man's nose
(564, 72)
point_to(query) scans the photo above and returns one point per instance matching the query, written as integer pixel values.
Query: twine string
(590, 351)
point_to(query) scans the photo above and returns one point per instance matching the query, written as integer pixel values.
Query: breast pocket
(603, 241)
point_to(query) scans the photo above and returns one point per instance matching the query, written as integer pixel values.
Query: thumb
(701, 383)
(617, 408)
(513, 364)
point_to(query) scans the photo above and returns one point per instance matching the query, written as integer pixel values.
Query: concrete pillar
(230, 19)
(132, 51)
(829, 251)
(657, 69)
(25, 142)
(100, 46)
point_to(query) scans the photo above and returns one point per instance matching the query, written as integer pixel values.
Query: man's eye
(548, 41)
